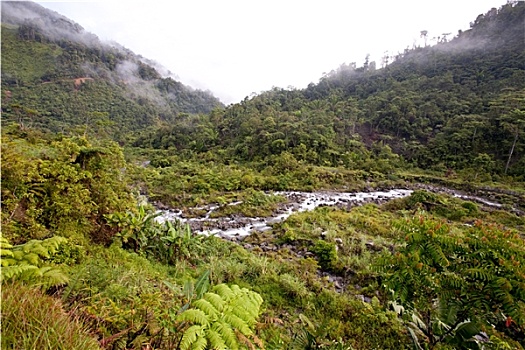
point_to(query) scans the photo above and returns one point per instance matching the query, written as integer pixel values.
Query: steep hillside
(58, 77)
(456, 105)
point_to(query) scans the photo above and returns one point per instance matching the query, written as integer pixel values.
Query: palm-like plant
(26, 262)
(222, 319)
(135, 229)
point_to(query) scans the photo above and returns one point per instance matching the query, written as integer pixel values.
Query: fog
(235, 48)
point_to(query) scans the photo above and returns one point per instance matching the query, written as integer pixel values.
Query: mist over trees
(98, 142)
(64, 66)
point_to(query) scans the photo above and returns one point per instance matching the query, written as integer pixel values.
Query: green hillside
(62, 79)
(95, 142)
(456, 105)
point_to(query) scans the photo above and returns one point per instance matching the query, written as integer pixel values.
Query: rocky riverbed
(236, 226)
(239, 226)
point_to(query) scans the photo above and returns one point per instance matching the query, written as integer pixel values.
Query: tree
(424, 34)
(514, 123)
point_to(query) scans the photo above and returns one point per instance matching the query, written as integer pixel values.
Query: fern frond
(436, 254)
(238, 323)
(216, 341)
(452, 280)
(224, 291)
(26, 248)
(4, 252)
(242, 313)
(8, 261)
(237, 290)
(200, 343)
(195, 316)
(190, 336)
(215, 300)
(479, 274)
(227, 334)
(18, 254)
(15, 271)
(204, 305)
(40, 250)
(32, 258)
(5, 247)
(53, 277)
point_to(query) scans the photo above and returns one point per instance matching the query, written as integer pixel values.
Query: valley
(375, 209)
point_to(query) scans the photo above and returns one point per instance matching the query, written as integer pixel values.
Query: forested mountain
(455, 105)
(58, 77)
(110, 171)
(458, 104)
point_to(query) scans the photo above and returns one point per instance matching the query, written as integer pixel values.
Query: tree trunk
(511, 151)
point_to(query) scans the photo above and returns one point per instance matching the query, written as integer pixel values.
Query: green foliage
(82, 87)
(123, 297)
(222, 318)
(326, 254)
(357, 128)
(62, 187)
(176, 241)
(134, 229)
(28, 262)
(442, 205)
(167, 242)
(473, 278)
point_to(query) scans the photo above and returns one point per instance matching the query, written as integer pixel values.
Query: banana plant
(135, 229)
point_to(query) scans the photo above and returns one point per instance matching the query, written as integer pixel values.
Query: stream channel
(240, 226)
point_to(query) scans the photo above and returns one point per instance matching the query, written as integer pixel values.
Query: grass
(32, 320)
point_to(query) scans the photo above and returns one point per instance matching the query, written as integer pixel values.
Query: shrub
(326, 254)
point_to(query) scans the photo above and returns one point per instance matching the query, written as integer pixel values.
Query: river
(239, 226)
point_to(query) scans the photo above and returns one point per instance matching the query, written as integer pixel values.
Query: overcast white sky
(236, 48)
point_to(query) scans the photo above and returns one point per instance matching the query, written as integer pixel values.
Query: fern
(224, 291)
(453, 277)
(200, 343)
(9, 272)
(190, 336)
(207, 307)
(195, 316)
(5, 248)
(238, 323)
(227, 334)
(223, 316)
(215, 300)
(24, 262)
(216, 341)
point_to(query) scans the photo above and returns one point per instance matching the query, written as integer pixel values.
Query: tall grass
(32, 320)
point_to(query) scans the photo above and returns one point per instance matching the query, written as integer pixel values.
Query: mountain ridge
(43, 51)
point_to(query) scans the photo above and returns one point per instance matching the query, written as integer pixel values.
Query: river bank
(235, 226)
